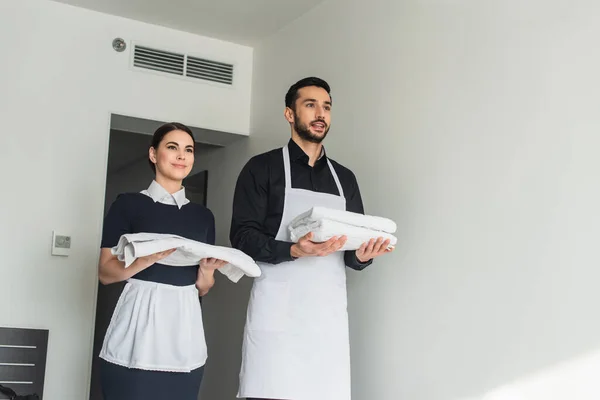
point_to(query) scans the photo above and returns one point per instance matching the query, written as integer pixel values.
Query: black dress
(135, 213)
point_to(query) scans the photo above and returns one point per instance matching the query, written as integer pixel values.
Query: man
(296, 337)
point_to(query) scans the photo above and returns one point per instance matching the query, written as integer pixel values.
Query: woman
(154, 347)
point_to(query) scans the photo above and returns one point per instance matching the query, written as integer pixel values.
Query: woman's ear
(152, 155)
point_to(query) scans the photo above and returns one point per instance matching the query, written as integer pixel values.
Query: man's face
(312, 116)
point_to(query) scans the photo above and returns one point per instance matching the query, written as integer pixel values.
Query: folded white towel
(325, 229)
(346, 217)
(188, 252)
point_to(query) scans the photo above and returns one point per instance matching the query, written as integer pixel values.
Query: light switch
(61, 244)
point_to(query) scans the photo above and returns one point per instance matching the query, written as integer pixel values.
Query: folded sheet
(325, 229)
(188, 252)
(346, 217)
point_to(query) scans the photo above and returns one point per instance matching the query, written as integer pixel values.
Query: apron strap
(288, 171)
(335, 177)
(287, 168)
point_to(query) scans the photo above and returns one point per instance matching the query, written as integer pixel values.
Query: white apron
(296, 344)
(156, 327)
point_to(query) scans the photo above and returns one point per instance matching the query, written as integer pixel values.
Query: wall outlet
(61, 244)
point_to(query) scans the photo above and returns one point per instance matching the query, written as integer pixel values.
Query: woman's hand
(211, 264)
(111, 270)
(152, 259)
(206, 274)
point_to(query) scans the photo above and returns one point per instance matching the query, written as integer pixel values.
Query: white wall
(59, 82)
(474, 125)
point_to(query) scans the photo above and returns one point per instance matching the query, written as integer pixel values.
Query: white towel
(325, 229)
(188, 252)
(346, 217)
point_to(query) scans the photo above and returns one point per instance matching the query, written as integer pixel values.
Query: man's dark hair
(292, 95)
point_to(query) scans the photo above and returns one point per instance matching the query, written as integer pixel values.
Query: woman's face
(174, 157)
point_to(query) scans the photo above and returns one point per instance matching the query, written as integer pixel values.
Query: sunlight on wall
(576, 379)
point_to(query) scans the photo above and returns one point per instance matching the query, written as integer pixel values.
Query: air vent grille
(159, 60)
(209, 70)
(183, 65)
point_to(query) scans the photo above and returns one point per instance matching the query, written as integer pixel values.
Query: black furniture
(23, 360)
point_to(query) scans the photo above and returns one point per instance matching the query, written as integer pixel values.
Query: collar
(160, 195)
(297, 153)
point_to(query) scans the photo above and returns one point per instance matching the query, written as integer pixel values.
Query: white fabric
(156, 327)
(317, 214)
(325, 229)
(189, 252)
(160, 195)
(296, 343)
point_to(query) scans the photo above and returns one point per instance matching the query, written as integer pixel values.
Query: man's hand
(307, 248)
(373, 249)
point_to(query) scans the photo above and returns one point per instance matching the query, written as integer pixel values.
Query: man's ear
(289, 115)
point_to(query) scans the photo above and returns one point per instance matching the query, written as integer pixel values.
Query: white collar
(160, 195)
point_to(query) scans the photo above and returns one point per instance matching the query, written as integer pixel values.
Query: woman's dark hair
(162, 131)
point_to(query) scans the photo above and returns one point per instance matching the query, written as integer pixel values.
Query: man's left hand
(373, 249)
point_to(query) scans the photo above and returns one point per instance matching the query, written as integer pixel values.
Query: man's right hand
(307, 248)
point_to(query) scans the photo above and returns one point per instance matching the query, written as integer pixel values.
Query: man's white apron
(296, 344)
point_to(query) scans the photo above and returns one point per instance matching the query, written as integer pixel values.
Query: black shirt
(136, 212)
(259, 197)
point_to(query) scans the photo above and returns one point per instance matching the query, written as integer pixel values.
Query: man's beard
(305, 133)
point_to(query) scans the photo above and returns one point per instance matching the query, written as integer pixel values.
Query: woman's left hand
(206, 272)
(212, 264)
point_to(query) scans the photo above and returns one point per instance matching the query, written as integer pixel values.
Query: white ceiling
(239, 21)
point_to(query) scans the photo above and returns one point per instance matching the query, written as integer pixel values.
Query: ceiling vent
(158, 60)
(182, 65)
(209, 70)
